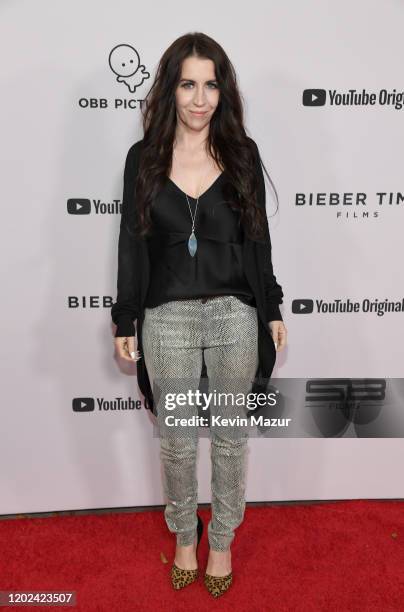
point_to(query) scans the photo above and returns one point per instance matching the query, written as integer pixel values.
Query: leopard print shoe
(181, 578)
(217, 585)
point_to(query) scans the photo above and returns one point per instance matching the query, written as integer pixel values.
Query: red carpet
(344, 556)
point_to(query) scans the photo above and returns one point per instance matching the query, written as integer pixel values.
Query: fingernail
(276, 345)
(132, 354)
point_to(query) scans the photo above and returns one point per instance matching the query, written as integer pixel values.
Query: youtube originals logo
(84, 206)
(348, 306)
(314, 97)
(100, 404)
(354, 97)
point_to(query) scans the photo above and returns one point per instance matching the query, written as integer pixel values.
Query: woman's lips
(199, 114)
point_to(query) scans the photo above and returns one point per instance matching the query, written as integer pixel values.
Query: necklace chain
(192, 242)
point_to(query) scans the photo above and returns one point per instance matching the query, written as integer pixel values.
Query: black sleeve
(126, 307)
(273, 291)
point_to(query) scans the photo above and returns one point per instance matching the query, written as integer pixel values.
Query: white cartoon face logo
(124, 61)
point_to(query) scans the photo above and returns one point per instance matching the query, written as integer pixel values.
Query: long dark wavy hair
(227, 141)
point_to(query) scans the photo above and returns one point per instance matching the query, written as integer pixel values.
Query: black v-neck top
(217, 266)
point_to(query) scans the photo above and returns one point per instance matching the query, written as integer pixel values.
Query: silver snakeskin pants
(174, 336)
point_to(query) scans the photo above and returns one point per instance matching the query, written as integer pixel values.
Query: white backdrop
(63, 138)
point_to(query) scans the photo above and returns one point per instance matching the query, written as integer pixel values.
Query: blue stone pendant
(192, 244)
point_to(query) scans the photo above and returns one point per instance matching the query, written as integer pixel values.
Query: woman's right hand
(125, 347)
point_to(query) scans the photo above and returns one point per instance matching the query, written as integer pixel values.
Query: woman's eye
(187, 85)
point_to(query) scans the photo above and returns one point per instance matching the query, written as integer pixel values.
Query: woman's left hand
(279, 334)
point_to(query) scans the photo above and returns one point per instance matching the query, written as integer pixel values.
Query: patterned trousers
(175, 334)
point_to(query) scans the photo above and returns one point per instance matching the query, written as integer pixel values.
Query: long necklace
(192, 241)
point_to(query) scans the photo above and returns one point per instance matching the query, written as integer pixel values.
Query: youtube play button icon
(78, 206)
(302, 306)
(314, 97)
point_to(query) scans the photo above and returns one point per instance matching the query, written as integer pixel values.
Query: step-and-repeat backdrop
(323, 90)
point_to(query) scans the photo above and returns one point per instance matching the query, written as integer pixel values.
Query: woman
(195, 271)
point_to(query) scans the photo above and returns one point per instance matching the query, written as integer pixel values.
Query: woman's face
(197, 94)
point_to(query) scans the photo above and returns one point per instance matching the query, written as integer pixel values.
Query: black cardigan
(134, 274)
